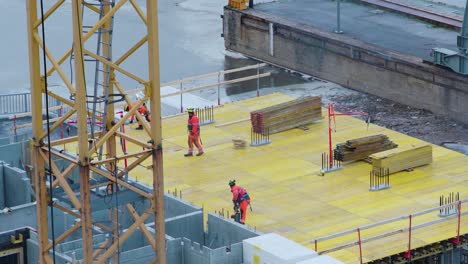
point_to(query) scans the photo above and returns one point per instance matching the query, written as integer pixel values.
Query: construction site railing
(62, 109)
(20, 103)
(217, 84)
(409, 227)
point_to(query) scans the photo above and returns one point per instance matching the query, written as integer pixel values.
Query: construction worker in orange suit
(193, 127)
(241, 200)
(143, 111)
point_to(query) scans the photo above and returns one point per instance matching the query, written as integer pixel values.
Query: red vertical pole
(408, 254)
(456, 240)
(360, 245)
(330, 154)
(61, 125)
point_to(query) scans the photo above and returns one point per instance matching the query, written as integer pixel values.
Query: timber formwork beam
(89, 144)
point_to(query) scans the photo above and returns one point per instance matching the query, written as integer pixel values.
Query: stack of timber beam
(360, 148)
(402, 158)
(284, 116)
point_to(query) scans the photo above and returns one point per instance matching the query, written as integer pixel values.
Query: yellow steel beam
(58, 154)
(71, 139)
(70, 231)
(66, 187)
(49, 12)
(93, 8)
(36, 109)
(58, 123)
(114, 66)
(83, 157)
(154, 90)
(111, 178)
(133, 140)
(111, 131)
(139, 11)
(125, 236)
(121, 157)
(134, 164)
(65, 173)
(55, 64)
(70, 212)
(100, 248)
(142, 226)
(129, 102)
(90, 32)
(131, 50)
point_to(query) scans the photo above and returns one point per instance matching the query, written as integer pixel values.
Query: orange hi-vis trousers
(194, 138)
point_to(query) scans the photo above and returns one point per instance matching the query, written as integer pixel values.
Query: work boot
(200, 153)
(190, 154)
(139, 128)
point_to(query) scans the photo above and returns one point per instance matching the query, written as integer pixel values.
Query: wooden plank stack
(360, 148)
(284, 116)
(402, 158)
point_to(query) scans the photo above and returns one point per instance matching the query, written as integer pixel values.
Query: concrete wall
(20, 216)
(189, 226)
(17, 187)
(12, 153)
(224, 232)
(194, 253)
(174, 206)
(349, 62)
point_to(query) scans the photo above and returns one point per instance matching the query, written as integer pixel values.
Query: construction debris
(360, 148)
(284, 116)
(402, 158)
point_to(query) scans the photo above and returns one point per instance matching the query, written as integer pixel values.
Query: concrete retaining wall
(12, 153)
(224, 232)
(17, 187)
(348, 62)
(20, 216)
(189, 226)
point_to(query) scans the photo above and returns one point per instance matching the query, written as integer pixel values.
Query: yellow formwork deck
(288, 196)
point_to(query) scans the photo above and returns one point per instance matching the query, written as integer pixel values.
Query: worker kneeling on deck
(241, 201)
(194, 133)
(142, 110)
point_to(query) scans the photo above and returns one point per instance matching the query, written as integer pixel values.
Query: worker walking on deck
(193, 127)
(241, 200)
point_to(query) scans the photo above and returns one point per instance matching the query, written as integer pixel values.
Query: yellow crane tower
(44, 150)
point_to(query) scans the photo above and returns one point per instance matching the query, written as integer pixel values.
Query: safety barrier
(406, 225)
(20, 103)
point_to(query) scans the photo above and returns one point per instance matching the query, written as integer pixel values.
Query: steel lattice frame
(83, 161)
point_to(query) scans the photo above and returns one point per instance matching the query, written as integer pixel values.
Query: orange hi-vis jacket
(239, 194)
(193, 125)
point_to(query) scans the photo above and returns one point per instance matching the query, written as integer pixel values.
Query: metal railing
(405, 224)
(11, 104)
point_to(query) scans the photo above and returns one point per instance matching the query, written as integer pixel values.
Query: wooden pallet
(401, 159)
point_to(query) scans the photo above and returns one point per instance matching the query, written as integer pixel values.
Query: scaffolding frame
(41, 148)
